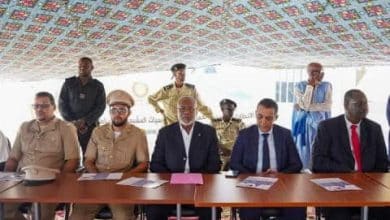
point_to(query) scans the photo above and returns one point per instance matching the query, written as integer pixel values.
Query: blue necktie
(266, 163)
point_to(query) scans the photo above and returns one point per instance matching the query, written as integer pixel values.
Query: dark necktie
(356, 147)
(266, 163)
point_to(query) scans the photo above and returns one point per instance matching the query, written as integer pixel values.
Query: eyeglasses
(40, 106)
(120, 111)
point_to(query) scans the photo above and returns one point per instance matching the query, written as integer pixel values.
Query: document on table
(335, 184)
(11, 176)
(186, 178)
(258, 182)
(100, 176)
(141, 182)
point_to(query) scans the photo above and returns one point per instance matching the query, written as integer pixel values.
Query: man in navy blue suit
(350, 143)
(264, 148)
(185, 146)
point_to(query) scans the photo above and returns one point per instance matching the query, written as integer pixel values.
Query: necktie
(356, 147)
(266, 163)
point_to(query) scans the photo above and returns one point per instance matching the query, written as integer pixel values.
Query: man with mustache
(45, 141)
(115, 147)
(186, 146)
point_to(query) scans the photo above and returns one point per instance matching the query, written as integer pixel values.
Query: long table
(3, 187)
(291, 190)
(67, 189)
(382, 178)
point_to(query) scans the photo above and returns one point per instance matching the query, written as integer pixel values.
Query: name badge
(82, 96)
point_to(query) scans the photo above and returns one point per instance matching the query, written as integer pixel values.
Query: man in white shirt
(185, 146)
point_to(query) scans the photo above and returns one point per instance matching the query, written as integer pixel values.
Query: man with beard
(170, 94)
(350, 143)
(186, 146)
(82, 101)
(115, 147)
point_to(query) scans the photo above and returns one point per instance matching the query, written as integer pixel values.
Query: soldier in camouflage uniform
(170, 94)
(227, 129)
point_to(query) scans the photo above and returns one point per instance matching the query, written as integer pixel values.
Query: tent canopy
(44, 38)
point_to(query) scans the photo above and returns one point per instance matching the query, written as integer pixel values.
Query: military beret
(227, 101)
(178, 66)
(120, 97)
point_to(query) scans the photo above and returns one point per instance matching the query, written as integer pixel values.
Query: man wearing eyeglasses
(117, 146)
(313, 103)
(82, 101)
(45, 141)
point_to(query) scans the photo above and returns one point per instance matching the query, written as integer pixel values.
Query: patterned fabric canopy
(45, 38)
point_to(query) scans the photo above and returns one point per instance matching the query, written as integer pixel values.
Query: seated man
(115, 147)
(185, 146)
(266, 147)
(350, 143)
(45, 141)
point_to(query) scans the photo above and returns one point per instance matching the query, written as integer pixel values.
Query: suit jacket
(245, 151)
(332, 149)
(169, 154)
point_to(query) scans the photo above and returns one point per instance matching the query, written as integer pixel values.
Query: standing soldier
(82, 101)
(227, 129)
(170, 94)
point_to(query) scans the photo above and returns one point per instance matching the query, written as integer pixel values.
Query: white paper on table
(258, 182)
(141, 182)
(100, 176)
(335, 184)
(11, 176)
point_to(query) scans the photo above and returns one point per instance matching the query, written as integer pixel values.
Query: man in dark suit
(185, 146)
(350, 143)
(265, 148)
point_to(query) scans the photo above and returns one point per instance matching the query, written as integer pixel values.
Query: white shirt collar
(184, 130)
(268, 132)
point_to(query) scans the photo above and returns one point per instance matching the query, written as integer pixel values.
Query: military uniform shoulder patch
(191, 86)
(167, 87)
